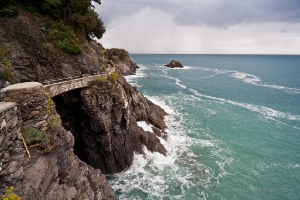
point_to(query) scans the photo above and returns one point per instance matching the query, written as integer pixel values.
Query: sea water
(233, 124)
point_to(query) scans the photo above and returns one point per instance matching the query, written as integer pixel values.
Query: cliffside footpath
(86, 132)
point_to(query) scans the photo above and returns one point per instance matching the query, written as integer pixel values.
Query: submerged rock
(174, 64)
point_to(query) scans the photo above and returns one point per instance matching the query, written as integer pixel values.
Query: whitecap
(263, 110)
(251, 79)
(254, 80)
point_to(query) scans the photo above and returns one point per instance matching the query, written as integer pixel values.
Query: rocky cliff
(34, 55)
(101, 120)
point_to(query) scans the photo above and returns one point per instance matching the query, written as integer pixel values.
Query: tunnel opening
(69, 106)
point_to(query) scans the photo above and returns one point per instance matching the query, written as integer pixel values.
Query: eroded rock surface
(108, 130)
(56, 175)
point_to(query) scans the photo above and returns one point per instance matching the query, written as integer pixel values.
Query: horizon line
(220, 54)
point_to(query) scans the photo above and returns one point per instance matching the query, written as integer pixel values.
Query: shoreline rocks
(174, 64)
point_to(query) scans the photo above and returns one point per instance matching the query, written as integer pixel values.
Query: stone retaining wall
(32, 102)
(11, 123)
(11, 146)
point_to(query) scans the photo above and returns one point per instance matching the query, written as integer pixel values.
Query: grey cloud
(216, 13)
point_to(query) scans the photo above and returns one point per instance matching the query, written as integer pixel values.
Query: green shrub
(5, 65)
(32, 136)
(7, 8)
(10, 195)
(69, 46)
(52, 8)
(101, 79)
(3, 52)
(65, 38)
(55, 125)
(114, 77)
(111, 53)
(6, 72)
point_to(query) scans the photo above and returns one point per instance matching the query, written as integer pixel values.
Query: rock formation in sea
(89, 131)
(174, 64)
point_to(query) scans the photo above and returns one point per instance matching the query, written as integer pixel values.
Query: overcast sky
(202, 26)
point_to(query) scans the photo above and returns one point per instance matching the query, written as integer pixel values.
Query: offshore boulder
(174, 64)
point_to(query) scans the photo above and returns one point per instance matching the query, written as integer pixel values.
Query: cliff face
(126, 66)
(34, 56)
(53, 171)
(105, 123)
(101, 119)
(57, 175)
(113, 110)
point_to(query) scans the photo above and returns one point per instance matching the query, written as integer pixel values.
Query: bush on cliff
(5, 65)
(78, 14)
(114, 77)
(32, 136)
(101, 79)
(7, 8)
(10, 195)
(73, 20)
(120, 53)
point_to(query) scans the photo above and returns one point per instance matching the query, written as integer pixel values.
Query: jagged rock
(113, 111)
(174, 64)
(102, 119)
(58, 175)
(126, 66)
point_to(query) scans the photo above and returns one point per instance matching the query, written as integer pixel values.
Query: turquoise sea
(233, 124)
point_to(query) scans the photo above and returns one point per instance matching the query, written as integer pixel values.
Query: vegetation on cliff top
(77, 14)
(64, 23)
(110, 54)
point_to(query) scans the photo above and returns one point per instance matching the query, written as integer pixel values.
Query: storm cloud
(218, 13)
(202, 26)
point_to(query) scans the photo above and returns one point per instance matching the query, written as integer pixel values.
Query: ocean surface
(233, 124)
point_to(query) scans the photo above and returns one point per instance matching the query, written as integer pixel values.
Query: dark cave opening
(74, 119)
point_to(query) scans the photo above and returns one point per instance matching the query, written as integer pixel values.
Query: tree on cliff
(78, 14)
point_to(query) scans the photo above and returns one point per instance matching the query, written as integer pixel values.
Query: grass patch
(101, 79)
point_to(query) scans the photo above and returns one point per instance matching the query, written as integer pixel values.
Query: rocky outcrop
(54, 171)
(126, 66)
(110, 135)
(174, 64)
(35, 58)
(101, 119)
(57, 175)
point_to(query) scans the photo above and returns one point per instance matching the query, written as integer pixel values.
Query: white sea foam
(263, 110)
(145, 126)
(155, 174)
(183, 68)
(248, 78)
(140, 73)
(177, 82)
(252, 79)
